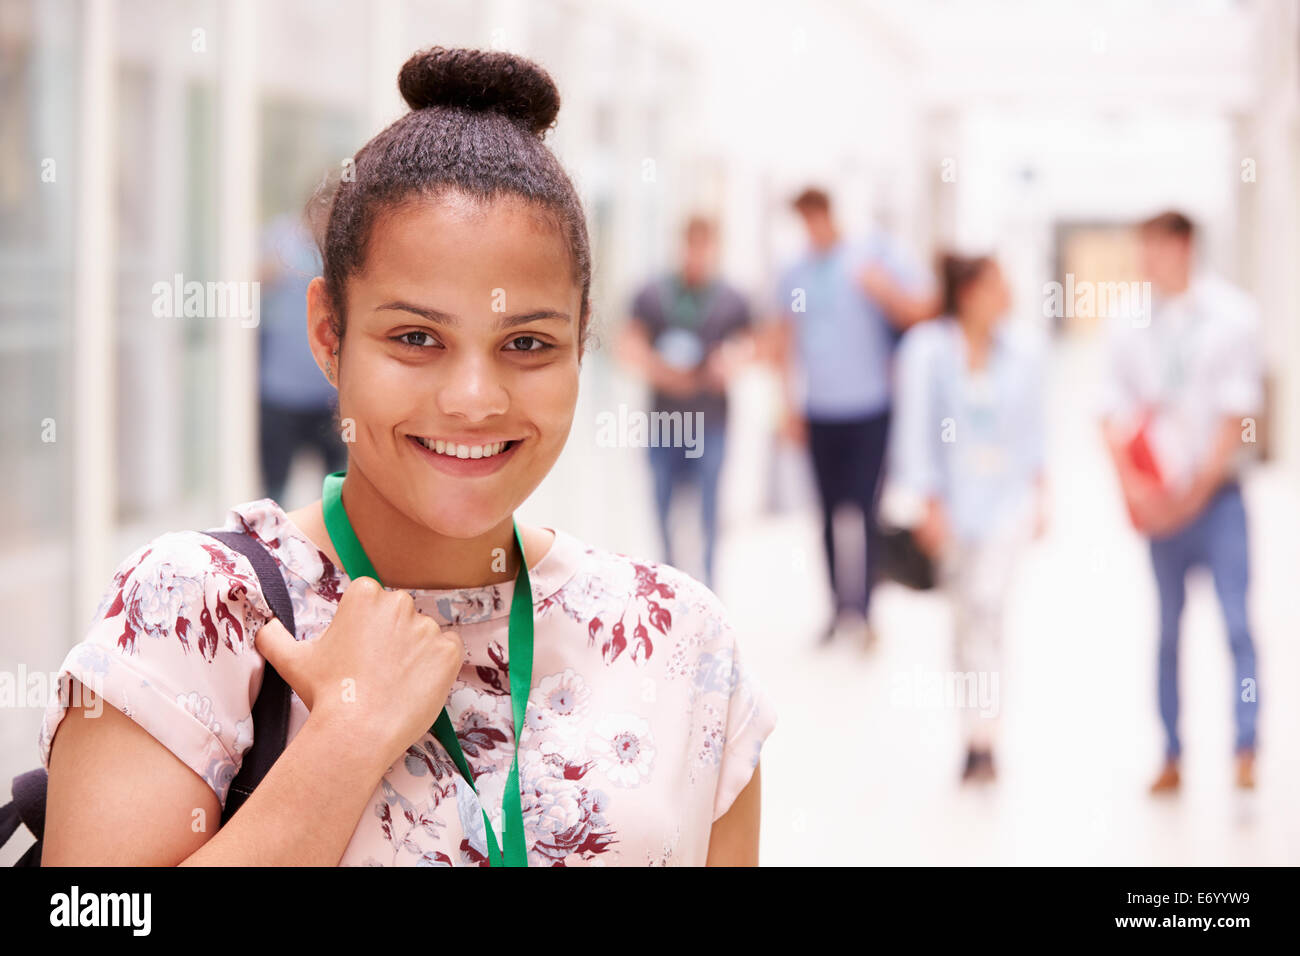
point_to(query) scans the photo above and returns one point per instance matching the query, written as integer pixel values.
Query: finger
(364, 587)
(405, 604)
(274, 642)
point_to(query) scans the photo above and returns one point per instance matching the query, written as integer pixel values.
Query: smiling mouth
(462, 450)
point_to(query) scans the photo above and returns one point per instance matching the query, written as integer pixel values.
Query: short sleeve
(786, 295)
(1238, 386)
(750, 714)
(1115, 394)
(739, 317)
(171, 646)
(901, 266)
(647, 309)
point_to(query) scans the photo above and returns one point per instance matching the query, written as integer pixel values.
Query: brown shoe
(1168, 780)
(1246, 770)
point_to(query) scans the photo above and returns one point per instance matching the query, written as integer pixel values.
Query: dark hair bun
(481, 80)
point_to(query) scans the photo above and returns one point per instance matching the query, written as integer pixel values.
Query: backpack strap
(271, 709)
(28, 804)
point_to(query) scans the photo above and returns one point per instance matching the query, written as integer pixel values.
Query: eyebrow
(443, 318)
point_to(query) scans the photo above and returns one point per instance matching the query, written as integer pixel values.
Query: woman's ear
(320, 330)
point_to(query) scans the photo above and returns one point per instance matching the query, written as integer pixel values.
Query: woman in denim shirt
(968, 444)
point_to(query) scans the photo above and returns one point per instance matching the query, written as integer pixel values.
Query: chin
(462, 522)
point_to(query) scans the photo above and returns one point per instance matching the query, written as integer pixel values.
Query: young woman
(452, 318)
(968, 441)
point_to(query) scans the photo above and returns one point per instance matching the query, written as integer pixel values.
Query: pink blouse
(642, 726)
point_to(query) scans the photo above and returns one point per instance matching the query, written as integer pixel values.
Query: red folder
(1142, 456)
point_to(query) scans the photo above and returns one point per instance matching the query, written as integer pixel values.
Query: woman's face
(462, 328)
(988, 296)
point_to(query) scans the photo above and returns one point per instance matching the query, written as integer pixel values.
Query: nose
(470, 388)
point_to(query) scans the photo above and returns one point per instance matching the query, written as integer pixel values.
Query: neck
(978, 334)
(408, 555)
(1178, 285)
(827, 240)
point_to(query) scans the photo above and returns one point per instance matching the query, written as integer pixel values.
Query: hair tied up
(956, 272)
(481, 81)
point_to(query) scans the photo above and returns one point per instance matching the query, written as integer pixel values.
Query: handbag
(270, 717)
(903, 561)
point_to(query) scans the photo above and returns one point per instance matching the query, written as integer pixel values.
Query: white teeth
(454, 450)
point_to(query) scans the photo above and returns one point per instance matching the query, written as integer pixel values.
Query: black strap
(29, 798)
(271, 709)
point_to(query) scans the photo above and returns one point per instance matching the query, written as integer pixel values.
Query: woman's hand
(794, 427)
(932, 533)
(382, 670)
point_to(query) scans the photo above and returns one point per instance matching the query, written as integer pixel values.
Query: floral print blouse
(642, 726)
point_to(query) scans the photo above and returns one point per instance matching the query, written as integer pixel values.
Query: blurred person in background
(967, 442)
(1182, 386)
(841, 305)
(680, 323)
(297, 404)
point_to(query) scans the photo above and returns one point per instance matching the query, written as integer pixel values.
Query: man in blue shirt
(842, 305)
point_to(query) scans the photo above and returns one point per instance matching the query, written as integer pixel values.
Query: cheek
(549, 402)
(375, 394)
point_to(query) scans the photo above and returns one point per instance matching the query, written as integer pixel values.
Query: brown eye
(531, 339)
(406, 339)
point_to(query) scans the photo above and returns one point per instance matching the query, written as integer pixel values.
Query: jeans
(847, 458)
(672, 468)
(1216, 538)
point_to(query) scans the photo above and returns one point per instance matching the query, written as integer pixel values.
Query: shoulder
(1212, 287)
(1123, 336)
(1232, 307)
(655, 286)
(926, 340)
(189, 587)
(795, 269)
(646, 300)
(632, 577)
(637, 609)
(1023, 342)
(879, 246)
(731, 298)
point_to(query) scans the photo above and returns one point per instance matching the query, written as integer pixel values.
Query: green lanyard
(357, 565)
(688, 307)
